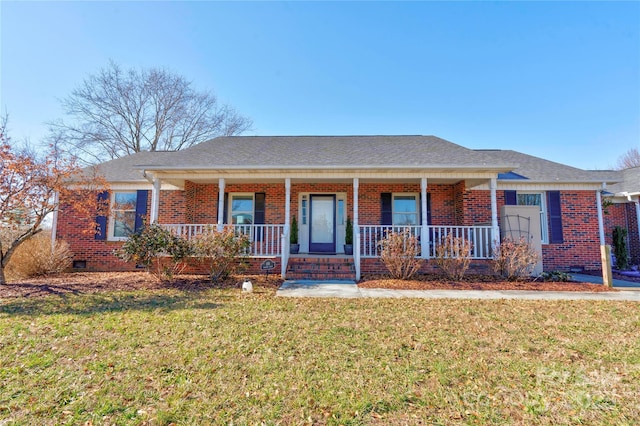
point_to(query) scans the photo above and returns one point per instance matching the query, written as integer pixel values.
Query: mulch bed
(103, 282)
(476, 282)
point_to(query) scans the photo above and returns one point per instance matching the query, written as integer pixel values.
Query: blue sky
(559, 80)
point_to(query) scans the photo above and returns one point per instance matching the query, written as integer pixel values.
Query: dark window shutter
(428, 209)
(386, 208)
(258, 213)
(225, 212)
(510, 198)
(259, 208)
(141, 209)
(555, 217)
(101, 220)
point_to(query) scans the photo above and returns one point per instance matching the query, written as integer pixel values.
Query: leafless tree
(32, 186)
(629, 159)
(115, 113)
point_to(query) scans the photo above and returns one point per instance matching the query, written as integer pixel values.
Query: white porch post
(424, 231)
(600, 219)
(284, 258)
(54, 221)
(494, 212)
(220, 204)
(356, 228)
(155, 201)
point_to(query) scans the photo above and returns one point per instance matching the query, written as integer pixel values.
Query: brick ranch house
(422, 183)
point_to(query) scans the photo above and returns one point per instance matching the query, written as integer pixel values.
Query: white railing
(266, 240)
(370, 236)
(481, 238)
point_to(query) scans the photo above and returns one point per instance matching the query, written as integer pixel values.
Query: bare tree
(115, 113)
(31, 187)
(629, 159)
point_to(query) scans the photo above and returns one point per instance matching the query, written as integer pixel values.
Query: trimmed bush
(224, 252)
(514, 259)
(399, 252)
(156, 249)
(453, 256)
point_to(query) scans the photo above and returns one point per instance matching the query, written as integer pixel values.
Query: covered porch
(262, 206)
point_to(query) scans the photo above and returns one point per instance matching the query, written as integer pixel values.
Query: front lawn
(200, 355)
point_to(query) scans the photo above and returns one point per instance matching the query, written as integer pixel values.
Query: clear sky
(559, 80)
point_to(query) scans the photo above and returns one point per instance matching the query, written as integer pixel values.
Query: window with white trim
(405, 209)
(122, 220)
(241, 208)
(536, 199)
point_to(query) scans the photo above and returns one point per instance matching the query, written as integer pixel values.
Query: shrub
(37, 257)
(514, 259)
(556, 276)
(453, 256)
(620, 247)
(399, 252)
(293, 236)
(225, 251)
(156, 249)
(348, 232)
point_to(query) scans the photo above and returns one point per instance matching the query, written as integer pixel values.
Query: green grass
(222, 357)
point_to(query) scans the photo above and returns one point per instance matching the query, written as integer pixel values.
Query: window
(304, 209)
(241, 209)
(123, 215)
(405, 209)
(536, 199)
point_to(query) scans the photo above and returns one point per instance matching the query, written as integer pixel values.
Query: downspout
(155, 197)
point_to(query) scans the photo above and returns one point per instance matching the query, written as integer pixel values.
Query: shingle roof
(536, 169)
(630, 183)
(124, 169)
(327, 151)
(309, 152)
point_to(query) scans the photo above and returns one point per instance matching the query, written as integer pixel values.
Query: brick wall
(450, 205)
(623, 215)
(581, 246)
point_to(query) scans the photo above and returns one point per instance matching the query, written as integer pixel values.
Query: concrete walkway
(349, 289)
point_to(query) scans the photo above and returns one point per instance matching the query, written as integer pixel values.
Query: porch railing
(266, 240)
(481, 238)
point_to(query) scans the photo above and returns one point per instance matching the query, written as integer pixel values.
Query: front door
(322, 233)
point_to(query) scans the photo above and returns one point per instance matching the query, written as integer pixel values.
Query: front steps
(310, 267)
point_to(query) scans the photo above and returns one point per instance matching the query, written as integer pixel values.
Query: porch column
(356, 228)
(54, 220)
(600, 220)
(284, 258)
(220, 204)
(424, 231)
(495, 230)
(155, 201)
